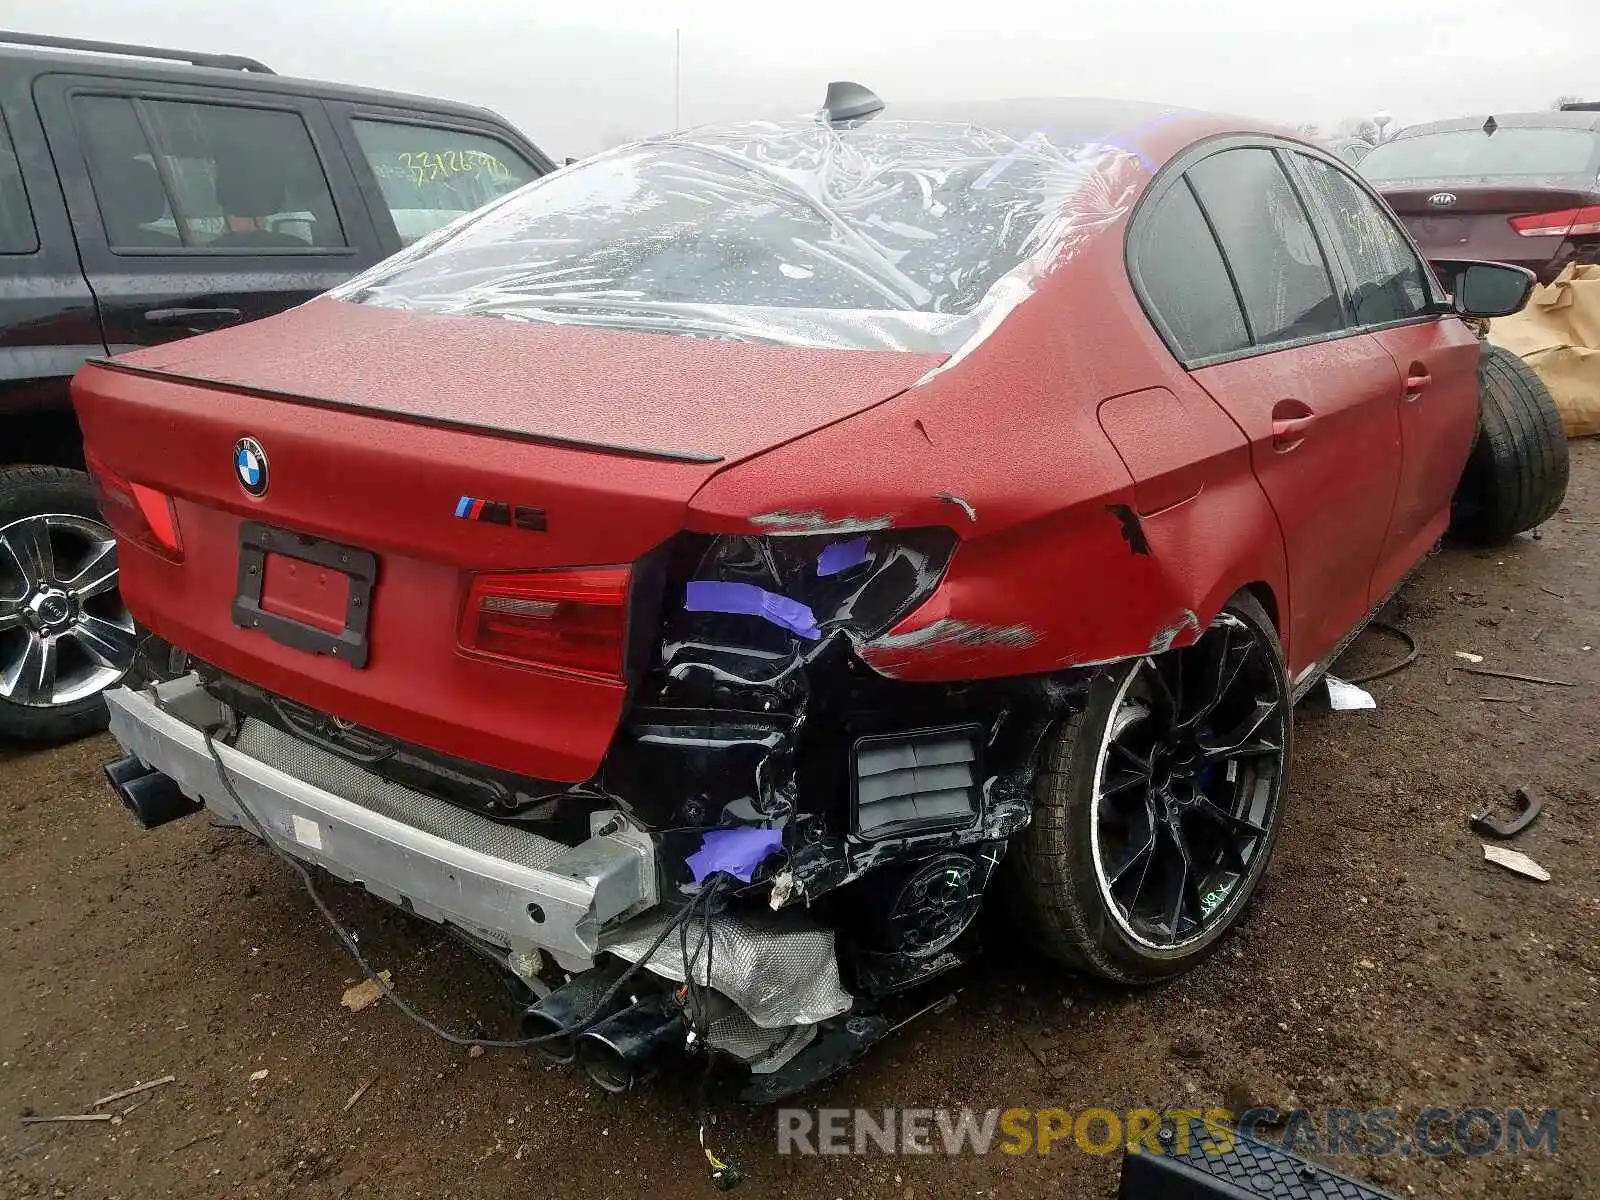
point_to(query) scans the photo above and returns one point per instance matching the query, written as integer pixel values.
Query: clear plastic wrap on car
(896, 235)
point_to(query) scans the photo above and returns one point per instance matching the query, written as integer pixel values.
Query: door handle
(1289, 432)
(193, 316)
(1417, 382)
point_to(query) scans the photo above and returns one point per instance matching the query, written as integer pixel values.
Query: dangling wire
(348, 941)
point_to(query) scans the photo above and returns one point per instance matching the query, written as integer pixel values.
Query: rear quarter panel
(1057, 566)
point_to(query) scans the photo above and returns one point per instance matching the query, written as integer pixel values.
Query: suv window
(17, 235)
(1388, 281)
(429, 176)
(1276, 259)
(219, 177)
(1185, 281)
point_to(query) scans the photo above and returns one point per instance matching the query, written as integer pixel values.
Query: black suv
(147, 195)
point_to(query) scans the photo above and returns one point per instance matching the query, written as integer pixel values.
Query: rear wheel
(1516, 475)
(1160, 804)
(65, 635)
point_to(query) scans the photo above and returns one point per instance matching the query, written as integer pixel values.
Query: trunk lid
(399, 434)
(1476, 222)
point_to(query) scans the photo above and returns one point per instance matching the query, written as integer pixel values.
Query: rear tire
(1096, 901)
(62, 504)
(1516, 475)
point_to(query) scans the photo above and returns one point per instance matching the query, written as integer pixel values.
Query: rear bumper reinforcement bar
(418, 852)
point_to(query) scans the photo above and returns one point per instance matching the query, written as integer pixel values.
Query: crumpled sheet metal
(781, 970)
(905, 235)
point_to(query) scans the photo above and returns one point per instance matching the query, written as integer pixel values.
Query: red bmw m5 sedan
(712, 573)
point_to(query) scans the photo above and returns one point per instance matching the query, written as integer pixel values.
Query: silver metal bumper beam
(559, 906)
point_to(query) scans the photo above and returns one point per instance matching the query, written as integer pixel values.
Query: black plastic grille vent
(916, 781)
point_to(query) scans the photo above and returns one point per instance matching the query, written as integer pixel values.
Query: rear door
(1316, 399)
(47, 318)
(1395, 299)
(199, 207)
(420, 170)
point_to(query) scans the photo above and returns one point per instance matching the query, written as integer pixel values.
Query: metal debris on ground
(366, 993)
(65, 1118)
(195, 1141)
(1471, 658)
(355, 1096)
(1515, 860)
(1346, 697)
(1529, 807)
(1513, 675)
(133, 1091)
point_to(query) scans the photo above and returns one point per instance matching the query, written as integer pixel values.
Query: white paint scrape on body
(949, 631)
(813, 521)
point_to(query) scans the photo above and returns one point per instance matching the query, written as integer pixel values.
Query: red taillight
(1568, 222)
(571, 620)
(136, 512)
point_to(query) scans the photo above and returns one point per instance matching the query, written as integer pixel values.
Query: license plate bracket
(350, 644)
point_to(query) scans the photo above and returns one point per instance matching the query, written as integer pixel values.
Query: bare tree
(1568, 99)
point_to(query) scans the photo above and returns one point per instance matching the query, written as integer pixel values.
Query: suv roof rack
(225, 62)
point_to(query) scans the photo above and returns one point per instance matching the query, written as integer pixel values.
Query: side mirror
(1485, 289)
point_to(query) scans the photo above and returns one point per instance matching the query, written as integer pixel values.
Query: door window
(17, 235)
(429, 176)
(1274, 254)
(218, 177)
(1387, 280)
(1185, 281)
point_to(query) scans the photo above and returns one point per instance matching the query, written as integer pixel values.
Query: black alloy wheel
(1158, 809)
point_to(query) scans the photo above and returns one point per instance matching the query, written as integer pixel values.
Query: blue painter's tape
(710, 595)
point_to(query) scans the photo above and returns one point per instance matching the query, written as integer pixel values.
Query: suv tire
(49, 515)
(1516, 475)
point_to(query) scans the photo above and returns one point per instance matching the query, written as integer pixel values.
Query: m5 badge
(493, 512)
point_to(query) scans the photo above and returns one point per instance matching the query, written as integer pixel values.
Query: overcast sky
(580, 76)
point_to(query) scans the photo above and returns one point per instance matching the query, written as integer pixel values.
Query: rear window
(1471, 153)
(891, 235)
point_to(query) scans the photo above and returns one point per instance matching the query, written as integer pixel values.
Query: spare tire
(1516, 475)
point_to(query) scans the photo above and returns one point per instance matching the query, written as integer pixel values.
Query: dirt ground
(1385, 964)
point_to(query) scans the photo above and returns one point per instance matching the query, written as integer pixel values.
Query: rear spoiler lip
(679, 456)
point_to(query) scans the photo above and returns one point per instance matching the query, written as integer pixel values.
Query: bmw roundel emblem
(250, 465)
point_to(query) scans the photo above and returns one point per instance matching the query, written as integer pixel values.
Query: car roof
(1061, 119)
(133, 66)
(1551, 119)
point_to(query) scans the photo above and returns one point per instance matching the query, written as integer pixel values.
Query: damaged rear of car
(711, 570)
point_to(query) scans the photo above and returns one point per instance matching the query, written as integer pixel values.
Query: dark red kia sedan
(711, 573)
(1520, 188)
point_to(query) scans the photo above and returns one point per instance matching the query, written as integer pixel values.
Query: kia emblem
(1441, 200)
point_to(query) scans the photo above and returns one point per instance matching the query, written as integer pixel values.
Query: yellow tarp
(1558, 335)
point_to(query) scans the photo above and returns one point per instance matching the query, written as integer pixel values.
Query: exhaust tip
(537, 1023)
(152, 798)
(623, 1048)
(605, 1063)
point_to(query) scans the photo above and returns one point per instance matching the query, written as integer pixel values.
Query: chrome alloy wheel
(64, 632)
(1190, 775)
